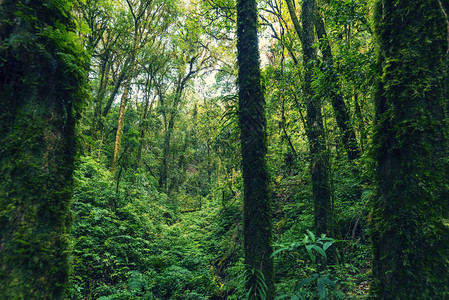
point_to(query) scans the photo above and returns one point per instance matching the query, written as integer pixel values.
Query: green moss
(411, 148)
(257, 205)
(42, 91)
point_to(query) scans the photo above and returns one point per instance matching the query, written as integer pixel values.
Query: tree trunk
(123, 75)
(337, 101)
(146, 112)
(41, 93)
(104, 80)
(411, 142)
(257, 207)
(163, 177)
(319, 164)
(119, 133)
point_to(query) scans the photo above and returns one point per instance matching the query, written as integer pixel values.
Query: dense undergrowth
(132, 242)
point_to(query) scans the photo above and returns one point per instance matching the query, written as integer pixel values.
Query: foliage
(314, 246)
(169, 222)
(126, 244)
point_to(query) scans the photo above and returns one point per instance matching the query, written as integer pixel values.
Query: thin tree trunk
(337, 101)
(104, 80)
(118, 135)
(146, 111)
(163, 178)
(121, 77)
(319, 164)
(257, 228)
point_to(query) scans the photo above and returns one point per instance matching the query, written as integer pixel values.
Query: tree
(257, 210)
(337, 101)
(42, 90)
(410, 234)
(319, 164)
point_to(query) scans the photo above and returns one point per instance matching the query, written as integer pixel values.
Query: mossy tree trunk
(120, 125)
(336, 95)
(42, 87)
(257, 210)
(409, 232)
(319, 164)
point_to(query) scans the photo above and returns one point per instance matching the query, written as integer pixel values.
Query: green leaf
(327, 245)
(304, 282)
(312, 235)
(319, 250)
(248, 294)
(278, 251)
(329, 282)
(282, 297)
(321, 288)
(309, 250)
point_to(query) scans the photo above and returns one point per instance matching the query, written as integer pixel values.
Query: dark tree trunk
(257, 206)
(319, 164)
(409, 232)
(41, 92)
(163, 177)
(123, 75)
(102, 87)
(337, 101)
(144, 124)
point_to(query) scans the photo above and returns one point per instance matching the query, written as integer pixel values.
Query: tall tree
(42, 84)
(338, 103)
(257, 207)
(319, 164)
(410, 234)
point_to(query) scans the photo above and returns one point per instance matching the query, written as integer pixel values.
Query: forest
(221, 149)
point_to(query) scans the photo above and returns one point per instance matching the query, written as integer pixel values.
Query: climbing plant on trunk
(409, 220)
(257, 210)
(42, 90)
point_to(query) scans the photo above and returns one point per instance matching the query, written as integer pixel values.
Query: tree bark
(41, 95)
(119, 133)
(144, 121)
(337, 101)
(257, 207)
(409, 230)
(319, 164)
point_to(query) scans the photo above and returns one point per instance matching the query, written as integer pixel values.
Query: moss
(42, 91)
(411, 243)
(252, 121)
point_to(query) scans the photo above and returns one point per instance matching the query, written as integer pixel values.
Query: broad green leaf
(303, 282)
(329, 282)
(278, 251)
(312, 235)
(319, 250)
(327, 245)
(321, 288)
(309, 250)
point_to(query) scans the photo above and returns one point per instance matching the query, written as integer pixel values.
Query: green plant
(252, 282)
(318, 277)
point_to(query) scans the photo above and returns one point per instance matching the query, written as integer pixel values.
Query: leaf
(321, 288)
(248, 294)
(282, 297)
(319, 250)
(303, 282)
(312, 235)
(329, 282)
(327, 245)
(309, 250)
(278, 251)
